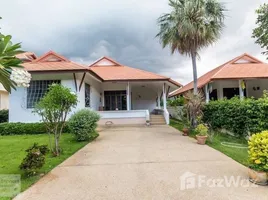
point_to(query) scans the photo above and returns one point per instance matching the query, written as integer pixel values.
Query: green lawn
(12, 152)
(238, 154)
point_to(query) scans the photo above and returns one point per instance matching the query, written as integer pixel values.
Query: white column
(164, 97)
(241, 91)
(158, 100)
(207, 93)
(128, 96)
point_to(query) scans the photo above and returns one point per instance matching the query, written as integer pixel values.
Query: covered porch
(220, 89)
(134, 102)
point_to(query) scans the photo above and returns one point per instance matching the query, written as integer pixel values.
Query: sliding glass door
(115, 100)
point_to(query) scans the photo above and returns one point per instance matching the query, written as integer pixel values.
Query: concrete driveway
(145, 163)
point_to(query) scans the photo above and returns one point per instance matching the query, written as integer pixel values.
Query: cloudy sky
(84, 30)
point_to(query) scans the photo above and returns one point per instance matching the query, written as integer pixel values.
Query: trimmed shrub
(258, 151)
(34, 160)
(25, 128)
(239, 117)
(179, 101)
(83, 124)
(3, 116)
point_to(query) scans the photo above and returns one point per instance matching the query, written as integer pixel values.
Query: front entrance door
(115, 100)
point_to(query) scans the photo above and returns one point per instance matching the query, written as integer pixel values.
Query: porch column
(241, 90)
(164, 97)
(159, 100)
(207, 93)
(128, 96)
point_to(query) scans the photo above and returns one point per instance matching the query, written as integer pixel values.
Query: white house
(243, 76)
(4, 101)
(121, 94)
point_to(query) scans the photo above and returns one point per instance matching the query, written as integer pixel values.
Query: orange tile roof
(26, 56)
(53, 62)
(104, 69)
(118, 72)
(241, 67)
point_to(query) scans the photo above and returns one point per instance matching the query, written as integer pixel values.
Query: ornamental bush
(240, 117)
(179, 101)
(258, 151)
(34, 160)
(83, 124)
(202, 130)
(25, 128)
(3, 116)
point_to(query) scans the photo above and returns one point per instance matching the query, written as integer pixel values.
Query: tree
(53, 109)
(261, 32)
(8, 60)
(190, 26)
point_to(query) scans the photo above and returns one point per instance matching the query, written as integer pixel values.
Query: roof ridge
(105, 57)
(51, 53)
(227, 63)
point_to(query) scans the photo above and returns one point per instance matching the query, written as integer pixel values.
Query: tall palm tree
(8, 60)
(190, 26)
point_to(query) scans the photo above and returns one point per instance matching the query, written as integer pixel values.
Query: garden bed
(219, 141)
(12, 152)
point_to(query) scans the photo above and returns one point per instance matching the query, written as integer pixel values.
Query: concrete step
(157, 120)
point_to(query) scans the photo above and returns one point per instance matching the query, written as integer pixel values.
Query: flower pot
(259, 178)
(185, 131)
(201, 139)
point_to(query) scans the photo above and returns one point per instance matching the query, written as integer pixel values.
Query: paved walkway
(143, 163)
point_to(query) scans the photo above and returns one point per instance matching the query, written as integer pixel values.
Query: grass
(12, 152)
(238, 154)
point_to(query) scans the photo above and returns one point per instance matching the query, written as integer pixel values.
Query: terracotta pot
(259, 178)
(201, 139)
(185, 131)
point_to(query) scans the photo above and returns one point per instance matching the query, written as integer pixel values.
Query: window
(37, 90)
(115, 100)
(87, 95)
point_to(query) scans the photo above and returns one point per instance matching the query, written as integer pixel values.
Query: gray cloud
(124, 30)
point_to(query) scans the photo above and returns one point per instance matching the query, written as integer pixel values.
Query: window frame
(89, 95)
(34, 91)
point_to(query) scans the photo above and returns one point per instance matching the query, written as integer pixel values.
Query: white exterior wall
(261, 83)
(4, 100)
(19, 112)
(250, 84)
(143, 98)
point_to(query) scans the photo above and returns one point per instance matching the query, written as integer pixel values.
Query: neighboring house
(4, 100)
(121, 94)
(241, 76)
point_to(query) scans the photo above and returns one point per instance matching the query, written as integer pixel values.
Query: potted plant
(186, 127)
(202, 133)
(258, 158)
(148, 122)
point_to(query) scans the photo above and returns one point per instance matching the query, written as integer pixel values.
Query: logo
(189, 180)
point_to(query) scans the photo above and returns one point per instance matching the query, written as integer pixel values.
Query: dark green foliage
(239, 117)
(34, 160)
(24, 128)
(3, 116)
(179, 101)
(261, 32)
(83, 124)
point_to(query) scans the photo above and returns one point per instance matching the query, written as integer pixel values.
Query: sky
(85, 30)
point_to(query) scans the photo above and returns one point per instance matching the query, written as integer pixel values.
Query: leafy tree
(190, 26)
(8, 60)
(53, 109)
(261, 32)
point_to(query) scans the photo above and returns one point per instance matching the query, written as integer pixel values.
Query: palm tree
(190, 26)
(8, 60)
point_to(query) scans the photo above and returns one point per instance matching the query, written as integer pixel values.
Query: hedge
(25, 128)
(3, 116)
(240, 117)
